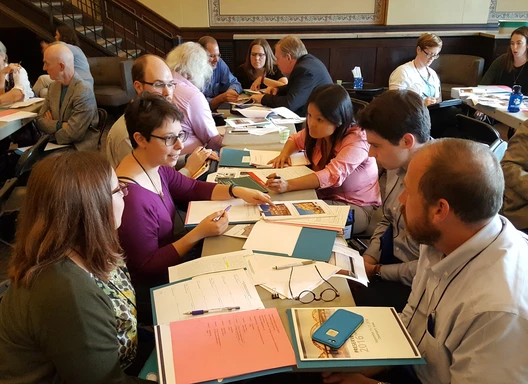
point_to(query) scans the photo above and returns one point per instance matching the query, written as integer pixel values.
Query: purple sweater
(146, 231)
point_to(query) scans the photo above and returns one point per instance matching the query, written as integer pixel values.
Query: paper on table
(7, 116)
(303, 277)
(264, 157)
(240, 231)
(210, 264)
(240, 211)
(49, 147)
(215, 290)
(263, 131)
(222, 130)
(336, 222)
(226, 346)
(358, 265)
(264, 237)
(287, 173)
(27, 103)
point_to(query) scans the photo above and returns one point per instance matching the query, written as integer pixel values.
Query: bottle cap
(516, 89)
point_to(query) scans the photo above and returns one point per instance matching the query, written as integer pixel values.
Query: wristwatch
(377, 272)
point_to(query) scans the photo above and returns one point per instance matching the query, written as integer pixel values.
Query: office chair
(476, 130)
(103, 117)
(14, 191)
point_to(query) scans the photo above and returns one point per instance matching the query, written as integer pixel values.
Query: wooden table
(8, 128)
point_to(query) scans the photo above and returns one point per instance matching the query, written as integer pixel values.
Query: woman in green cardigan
(56, 323)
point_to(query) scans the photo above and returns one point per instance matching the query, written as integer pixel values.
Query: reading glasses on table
(308, 296)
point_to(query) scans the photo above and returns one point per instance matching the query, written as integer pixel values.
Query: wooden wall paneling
(344, 59)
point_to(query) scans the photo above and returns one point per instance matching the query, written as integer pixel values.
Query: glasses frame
(257, 54)
(122, 187)
(314, 297)
(160, 84)
(431, 55)
(211, 56)
(182, 136)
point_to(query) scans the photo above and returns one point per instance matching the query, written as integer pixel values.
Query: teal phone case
(338, 328)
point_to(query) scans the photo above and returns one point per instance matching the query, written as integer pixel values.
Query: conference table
(10, 127)
(514, 120)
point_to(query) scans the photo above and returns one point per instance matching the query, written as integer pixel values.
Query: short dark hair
(68, 35)
(395, 113)
(335, 105)
(148, 112)
(467, 175)
(204, 40)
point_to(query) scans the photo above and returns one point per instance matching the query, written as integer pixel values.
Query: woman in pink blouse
(338, 151)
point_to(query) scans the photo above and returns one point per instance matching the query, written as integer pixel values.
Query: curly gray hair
(190, 60)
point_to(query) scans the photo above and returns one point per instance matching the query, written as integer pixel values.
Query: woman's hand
(198, 157)
(252, 196)
(280, 161)
(277, 183)
(256, 84)
(11, 68)
(429, 100)
(209, 227)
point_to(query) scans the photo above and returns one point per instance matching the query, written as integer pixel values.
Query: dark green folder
(233, 158)
(244, 181)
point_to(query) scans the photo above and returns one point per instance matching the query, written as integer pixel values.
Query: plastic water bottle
(514, 105)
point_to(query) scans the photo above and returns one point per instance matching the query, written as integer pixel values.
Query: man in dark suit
(69, 111)
(305, 72)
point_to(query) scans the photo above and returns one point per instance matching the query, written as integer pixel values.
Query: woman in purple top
(146, 233)
(338, 151)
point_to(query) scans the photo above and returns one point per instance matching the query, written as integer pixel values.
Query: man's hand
(257, 98)
(48, 115)
(271, 90)
(230, 96)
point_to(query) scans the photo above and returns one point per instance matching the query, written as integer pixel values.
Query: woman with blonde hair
(259, 70)
(57, 323)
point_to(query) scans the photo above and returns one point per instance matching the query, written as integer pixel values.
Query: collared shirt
(221, 81)
(405, 248)
(476, 300)
(21, 82)
(351, 176)
(197, 118)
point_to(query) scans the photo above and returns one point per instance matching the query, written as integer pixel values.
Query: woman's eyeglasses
(171, 139)
(259, 55)
(433, 56)
(122, 188)
(307, 296)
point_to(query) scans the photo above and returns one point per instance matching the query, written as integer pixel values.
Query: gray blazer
(78, 110)
(515, 168)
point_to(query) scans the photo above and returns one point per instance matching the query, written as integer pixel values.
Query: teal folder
(312, 244)
(233, 158)
(325, 364)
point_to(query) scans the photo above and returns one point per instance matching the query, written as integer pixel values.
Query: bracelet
(377, 272)
(231, 187)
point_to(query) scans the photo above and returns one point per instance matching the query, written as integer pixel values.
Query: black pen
(276, 177)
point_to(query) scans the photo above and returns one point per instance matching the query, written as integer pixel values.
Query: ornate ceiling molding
(494, 15)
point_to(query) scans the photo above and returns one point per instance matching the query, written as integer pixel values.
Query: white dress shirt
(476, 300)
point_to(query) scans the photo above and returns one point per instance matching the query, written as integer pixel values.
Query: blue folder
(233, 158)
(324, 364)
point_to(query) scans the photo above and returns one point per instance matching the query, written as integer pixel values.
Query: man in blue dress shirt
(223, 87)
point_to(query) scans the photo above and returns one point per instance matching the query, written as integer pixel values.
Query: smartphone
(338, 328)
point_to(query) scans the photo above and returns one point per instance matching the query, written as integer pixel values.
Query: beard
(421, 229)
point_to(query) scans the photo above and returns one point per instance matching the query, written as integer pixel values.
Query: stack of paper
(296, 209)
(350, 260)
(240, 211)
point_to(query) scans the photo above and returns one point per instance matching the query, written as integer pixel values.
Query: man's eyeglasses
(122, 188)
(433, 56)
(212, 57)
(159, 85)
(306, 296)
(259, 55)
(171, 139)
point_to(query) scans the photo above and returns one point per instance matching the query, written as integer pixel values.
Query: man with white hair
(69, 111)
(305, 72)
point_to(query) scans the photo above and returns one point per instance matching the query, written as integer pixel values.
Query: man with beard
(468, 301)
(397, 125)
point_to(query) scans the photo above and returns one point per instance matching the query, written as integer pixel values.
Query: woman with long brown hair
(259, 70)
(56, 323)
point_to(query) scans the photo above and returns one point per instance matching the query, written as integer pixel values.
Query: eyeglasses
(171, 139)
(259, 55)
(159, 85)
(122, 188)
(433, 56)
(307, 296)
(211, 56)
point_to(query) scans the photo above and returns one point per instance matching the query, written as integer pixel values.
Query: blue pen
(203, 311)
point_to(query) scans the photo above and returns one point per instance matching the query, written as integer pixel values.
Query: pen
(202, 311)
(276, 177)
(223, 213)
(263, 166)
(279, 267)
(203, 147)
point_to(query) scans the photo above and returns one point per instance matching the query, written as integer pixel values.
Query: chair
(13, 192)
(103, 117)
(458, 71)
(113, 85)
(358, 105)
(3, 288)
(482, 132)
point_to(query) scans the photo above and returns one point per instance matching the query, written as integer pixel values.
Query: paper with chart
(278, 280)
(215, 290)
(240, 211)
(210, 264)
(381, 336)
(225, 346)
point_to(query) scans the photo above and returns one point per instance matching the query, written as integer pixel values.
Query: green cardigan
(60, 330)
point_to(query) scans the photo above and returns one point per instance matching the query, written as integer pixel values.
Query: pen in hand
(223, 213)
(273, 176)
(202, 311)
